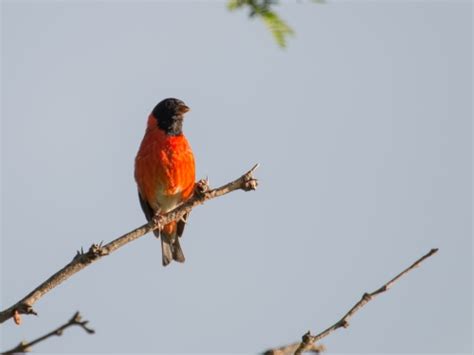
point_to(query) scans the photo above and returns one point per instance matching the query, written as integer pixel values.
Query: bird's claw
(158, 221)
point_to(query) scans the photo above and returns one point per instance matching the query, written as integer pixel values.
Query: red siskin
(165, 173)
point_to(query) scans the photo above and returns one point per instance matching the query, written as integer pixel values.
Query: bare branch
(76, 319)
(203, 193)
(291, 348)
(308, 340)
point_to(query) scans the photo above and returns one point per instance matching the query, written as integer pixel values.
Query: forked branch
(82, 259)
(76, 319)
(308, 341)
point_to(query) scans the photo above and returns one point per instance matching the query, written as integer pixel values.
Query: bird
(165, 172)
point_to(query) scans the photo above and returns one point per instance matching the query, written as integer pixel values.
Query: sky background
(362, 127)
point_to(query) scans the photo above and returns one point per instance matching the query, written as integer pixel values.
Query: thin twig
(308, 340)
(76, 319)
(291, 348)
(203, 193)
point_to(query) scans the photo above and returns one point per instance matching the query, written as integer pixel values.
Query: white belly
(166, 203)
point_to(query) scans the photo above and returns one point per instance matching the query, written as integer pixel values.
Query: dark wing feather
(148, 212)
(181, 225)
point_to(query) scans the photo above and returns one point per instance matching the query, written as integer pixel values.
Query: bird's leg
(158, 219)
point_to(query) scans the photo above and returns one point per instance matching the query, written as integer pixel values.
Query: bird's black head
(169, 115)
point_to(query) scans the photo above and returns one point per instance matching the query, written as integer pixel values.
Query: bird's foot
(158, 220)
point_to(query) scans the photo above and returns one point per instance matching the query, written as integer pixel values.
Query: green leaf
(234, 4)
(263, 9)
(279, 29)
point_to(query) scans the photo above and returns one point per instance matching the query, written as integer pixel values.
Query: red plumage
(165, 172)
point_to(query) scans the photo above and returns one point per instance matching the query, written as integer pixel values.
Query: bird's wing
(181, 225)
(148, 211)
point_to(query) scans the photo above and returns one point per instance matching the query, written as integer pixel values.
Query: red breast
(164, 166)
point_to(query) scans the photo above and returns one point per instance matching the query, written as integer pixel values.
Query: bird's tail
(170, 247)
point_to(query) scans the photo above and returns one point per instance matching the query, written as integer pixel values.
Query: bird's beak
(183, 109)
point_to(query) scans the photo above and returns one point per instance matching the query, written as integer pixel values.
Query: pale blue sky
(363, 131)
